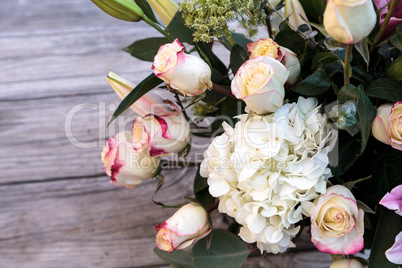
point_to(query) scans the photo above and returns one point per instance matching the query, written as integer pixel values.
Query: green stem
(158, 28)
(231, 41)
(346, 66)
(384, 25)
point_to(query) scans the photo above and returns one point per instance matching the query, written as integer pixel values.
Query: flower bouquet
(303, 126)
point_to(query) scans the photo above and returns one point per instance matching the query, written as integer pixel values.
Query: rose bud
(349, 21)
(124, 165)
(387, 125)
(268, 48)
(337, 224)
(188, 224)
(346, 263)
(259, 82)
(161, 134)
(188, 74)
(297, 17)
(166, 9)
(150, 103)
(121, 9)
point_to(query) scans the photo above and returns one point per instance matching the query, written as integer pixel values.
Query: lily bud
(121, 9)
(166, 9)
(150, 103)
(295, 12)
(188, 224)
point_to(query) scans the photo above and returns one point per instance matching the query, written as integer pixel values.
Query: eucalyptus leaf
(396, 38)
(314, 8)
(238, 56)
(323, 58)
(385, 88)
(177, 258)
(146, 49)
(362, 48)
(178, 30)
(290, 39)
(226, 251)
(315, 84)
(141, 89)
(241, 40)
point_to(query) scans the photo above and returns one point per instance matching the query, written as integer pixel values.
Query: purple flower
(395, 19)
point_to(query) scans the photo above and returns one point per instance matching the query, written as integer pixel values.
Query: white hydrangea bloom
(265, 167)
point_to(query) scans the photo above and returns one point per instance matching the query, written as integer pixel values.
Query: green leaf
(396, 38)
(362, 48)
(314, 8)
(201, 191)
(394, 70)
(143, 4)
(389, 225)
(348, 148)
(291, 40)
(177, 258)
(385, 88)
(351, 184)
(238, 56)
(178, 30)
(205, 50)
(323, 58)
(146, 49)
(347, 92)
(226, 251)
(241, 40)
(315, 84)
(365, 110)
(142, 88)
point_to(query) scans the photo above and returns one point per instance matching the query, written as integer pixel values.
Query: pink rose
(337, 224)
(387, 125)
(395, 19)
(188, 224)
(124, 165)
(188, 74)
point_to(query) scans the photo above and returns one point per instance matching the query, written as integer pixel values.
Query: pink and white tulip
(260, 83)
(387, 125)
(161, 134)
(337, 224)
(124, 165)
(268, 48)
(188, 224)
(349, 21)
(150, 103)
(188, 74)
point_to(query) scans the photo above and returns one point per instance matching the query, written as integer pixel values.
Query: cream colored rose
(188, 224)
(346, 263)
(259, 82)
(337, 224)
(387, 125)
(349, 21)
(188, 74)
(268, 48)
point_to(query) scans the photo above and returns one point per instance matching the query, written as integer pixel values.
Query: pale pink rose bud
(268, 48)
(346, 263)
(295, 12)
(124, 165)
(260, 83)
(188, 224)
(349, 21)
(161, 134)
(387, 125)
(188, 74)
(150, 103)
(337, 224)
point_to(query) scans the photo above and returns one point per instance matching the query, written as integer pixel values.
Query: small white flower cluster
(265, 167)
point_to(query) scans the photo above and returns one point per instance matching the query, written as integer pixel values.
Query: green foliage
(238, 55)
(206, 53)
(201, 191)
(385, 88)
(177, 258)
(146, 49)
(314, 9)
(323, 58)
(241, 40)
(394, 70)
(143, 4)
(315, 84)
(291, 40)
(396, 38)
(226, 251)
(177, 29)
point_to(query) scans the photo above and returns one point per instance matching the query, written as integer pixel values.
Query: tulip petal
(393, 200)
(394, 254)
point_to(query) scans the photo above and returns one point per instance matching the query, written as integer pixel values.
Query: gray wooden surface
(57, 208)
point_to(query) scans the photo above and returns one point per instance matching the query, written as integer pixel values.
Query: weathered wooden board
(56, 207)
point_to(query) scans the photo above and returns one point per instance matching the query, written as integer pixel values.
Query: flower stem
(222, 90)
(346, 66)
(377, 38)
(158, 28)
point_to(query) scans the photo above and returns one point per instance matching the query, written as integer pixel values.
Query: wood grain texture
(56, 207)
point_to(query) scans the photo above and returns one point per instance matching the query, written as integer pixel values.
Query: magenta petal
(163, 125)
(393, 200)
(394, 254)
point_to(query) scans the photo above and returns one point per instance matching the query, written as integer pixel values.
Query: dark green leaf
(315, 84)
(143, 4)
(178, 30)
(241, 40)
(385, 88)
(142, 88)
(389, 225)
(177, 258)
(394, 70)
(226, 250)
(146, 49)
(205, 51)
(324, 57)
(362, 48)
(351, 184)
(348, 149)
(291, 40)
(365, 110)
(201, 191)
(396, 38)
(314, 9)
(238, 56)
